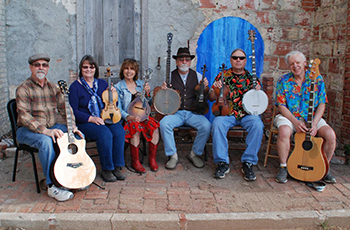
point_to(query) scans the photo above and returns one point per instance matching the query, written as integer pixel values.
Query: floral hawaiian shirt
(296, 98)
(238, 84)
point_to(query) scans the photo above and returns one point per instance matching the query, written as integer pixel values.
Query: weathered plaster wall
(4, 121)
(40, 26)
(181, 18)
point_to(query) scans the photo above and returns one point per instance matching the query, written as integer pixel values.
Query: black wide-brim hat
(183, 52)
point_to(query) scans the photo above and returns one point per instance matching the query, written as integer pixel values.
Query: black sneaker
(247, 170)
(282, 174)
(329, 178)
(221, 170)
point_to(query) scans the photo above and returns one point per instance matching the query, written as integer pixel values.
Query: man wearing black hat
(185, 80)
(39, 105)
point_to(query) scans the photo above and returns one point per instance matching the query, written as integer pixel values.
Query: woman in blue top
(128, 88)
(85, 100)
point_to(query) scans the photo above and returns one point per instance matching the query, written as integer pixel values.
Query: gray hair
(292, 53)
(238, 49)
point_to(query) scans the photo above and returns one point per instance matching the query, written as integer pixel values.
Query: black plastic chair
(12, 111)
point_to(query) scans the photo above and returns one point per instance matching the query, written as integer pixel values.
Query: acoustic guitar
(308, 161)
(73, 167)
(139, 106)
(167, 101)
(254, 101)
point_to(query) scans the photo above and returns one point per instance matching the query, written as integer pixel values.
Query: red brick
(207, 4)
(282, 48)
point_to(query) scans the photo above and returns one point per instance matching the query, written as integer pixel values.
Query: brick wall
(319, 29)
(4, 121)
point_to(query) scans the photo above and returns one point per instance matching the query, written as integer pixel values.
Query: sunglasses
(184, 59)
(37, 65)
(238, 57)
(88, 67)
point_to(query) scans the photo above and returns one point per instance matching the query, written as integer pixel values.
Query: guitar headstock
(252, 37)
(169, 38)
(63, 86)
(148, 73)
(314, 71)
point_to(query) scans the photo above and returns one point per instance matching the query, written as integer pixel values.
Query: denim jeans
(184, 117)
(110, 141)
(252, 124)
(43, 143)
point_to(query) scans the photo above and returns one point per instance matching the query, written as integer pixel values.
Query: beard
(184, 68)
(40, 74)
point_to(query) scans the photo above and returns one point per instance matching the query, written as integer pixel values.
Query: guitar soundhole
(72, 149)
(307, 145)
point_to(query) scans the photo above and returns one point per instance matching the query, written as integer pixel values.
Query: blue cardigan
(79, 99)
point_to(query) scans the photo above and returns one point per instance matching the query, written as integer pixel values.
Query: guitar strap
(95, 104)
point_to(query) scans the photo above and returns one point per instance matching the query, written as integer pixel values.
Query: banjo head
(255, 102)
(167, 101)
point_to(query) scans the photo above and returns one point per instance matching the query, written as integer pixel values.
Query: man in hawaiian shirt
(239, 81)
(293, 92)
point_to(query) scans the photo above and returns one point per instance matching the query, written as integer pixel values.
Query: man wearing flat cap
(184, 80)
(39, 105)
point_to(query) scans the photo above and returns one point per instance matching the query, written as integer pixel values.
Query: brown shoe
(107, 176)
(118, 173)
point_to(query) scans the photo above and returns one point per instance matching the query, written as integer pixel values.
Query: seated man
(293, 90)
(239, 81)
(185, 80)
(39, 105)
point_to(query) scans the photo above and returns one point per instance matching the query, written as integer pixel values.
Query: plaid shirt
(39, 107)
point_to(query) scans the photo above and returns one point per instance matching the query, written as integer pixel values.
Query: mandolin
(220, 107)
(308, 162)
(166, 101)
(111, 113)
(201, 105)
(139, 106)
(254, 101)
(73, 167)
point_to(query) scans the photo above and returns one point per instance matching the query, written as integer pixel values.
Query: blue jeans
(184, 117)
(110, 141)
(43, 143)
(252, 124)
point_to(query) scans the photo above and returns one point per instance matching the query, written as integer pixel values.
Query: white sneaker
(59, 194)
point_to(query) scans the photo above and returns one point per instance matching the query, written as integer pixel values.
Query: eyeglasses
(37, 65)
(184, 59)
(88, 67)
(238, 57)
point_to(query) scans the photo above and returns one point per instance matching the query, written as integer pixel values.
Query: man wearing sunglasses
(239, 81)
(40, 105)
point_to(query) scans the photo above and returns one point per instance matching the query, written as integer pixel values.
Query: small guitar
(111, 113)
(73, 167)
(201, 105)
(139, 106)
(308, 161)
(254, 101)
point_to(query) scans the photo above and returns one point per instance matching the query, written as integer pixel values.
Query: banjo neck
(167, 70)
(252, 38)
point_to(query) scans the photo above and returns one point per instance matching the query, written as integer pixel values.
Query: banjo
(167, 101)
(254, 101)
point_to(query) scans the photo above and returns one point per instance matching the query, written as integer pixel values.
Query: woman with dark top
(85, 99)
(128, 89)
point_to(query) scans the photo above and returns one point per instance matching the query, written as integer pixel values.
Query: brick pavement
(185, 190)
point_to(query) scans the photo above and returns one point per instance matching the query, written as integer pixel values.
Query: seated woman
(128, 88)
(85, 99)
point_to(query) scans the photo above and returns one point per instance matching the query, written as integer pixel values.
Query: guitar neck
(69, 120)
(310, 109)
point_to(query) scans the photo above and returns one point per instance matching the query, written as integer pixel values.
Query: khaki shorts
(281, 120)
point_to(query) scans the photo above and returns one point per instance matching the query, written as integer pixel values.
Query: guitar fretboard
(69, 120)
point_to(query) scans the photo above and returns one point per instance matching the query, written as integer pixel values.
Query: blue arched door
(219, 39)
